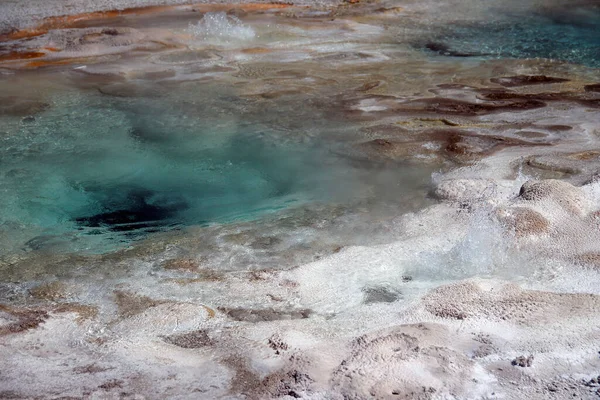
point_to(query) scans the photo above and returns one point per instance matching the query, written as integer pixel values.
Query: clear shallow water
(566, 34)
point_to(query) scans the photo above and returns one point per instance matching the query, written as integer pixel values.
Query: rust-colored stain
(210, 311)
(17, 55)
(61, 61)
(256, 50)
(73, 21)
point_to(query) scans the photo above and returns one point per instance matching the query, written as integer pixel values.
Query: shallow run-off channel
(378, 200)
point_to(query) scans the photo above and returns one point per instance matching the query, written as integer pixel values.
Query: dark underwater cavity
(568, 34)
(140, 210)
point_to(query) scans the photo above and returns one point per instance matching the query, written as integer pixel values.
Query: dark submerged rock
(526, 80)
(269, 314)
(445, 50)
(139, 210)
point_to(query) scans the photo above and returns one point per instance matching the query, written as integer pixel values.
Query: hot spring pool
(92, 172)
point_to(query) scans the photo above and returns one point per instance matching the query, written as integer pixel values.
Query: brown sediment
(58, 62)
(279, 93)
(531, 134)
(458, 107)
(262, 315)
(51, 291)
(83, 311)
(256, 50)
(455, 145)
(556, 128)
(26, 319)
(288, 382)
(20, 55)
(526, 80)
(79, 20)
(584, 155)
(189, 340)
(14, 106)
(181, 264)
(523, 221)
(389, 10)
(368, 86)
(90, 369)
(210, 311)
(590, 259)
(576, 97)
(130, 304)
(592, 88)
(593, 103)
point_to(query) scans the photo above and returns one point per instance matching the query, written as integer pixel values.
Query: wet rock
(189, 340)
(526, 80)
(13, 106)
(269, 314)
(391, 150)
(523, 361)
(380, 294)
(509, 303)
(464, 190)
(567, 196)
(131, 90)
(523, 221)
(553, 167)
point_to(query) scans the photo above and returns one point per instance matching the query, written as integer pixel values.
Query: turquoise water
(569, 34)
(93, 173)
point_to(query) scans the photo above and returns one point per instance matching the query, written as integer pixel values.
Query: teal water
(569, 34)
(93, 172)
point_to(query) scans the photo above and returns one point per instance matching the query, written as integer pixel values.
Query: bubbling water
(222, 27)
